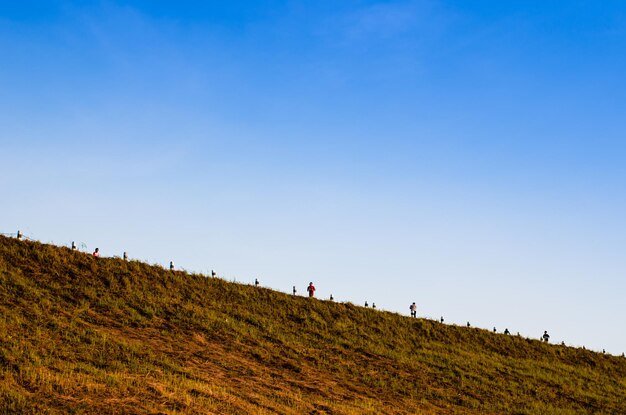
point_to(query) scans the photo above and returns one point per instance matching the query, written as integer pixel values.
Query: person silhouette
(413, 309)
(546, 336)
(311, 289)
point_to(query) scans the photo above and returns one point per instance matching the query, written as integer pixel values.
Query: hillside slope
(80, 335)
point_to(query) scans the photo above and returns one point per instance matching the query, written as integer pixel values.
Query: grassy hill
(80, 335)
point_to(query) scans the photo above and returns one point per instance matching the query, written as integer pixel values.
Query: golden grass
(80, 335)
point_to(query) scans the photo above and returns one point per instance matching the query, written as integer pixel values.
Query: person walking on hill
(125, 256)
(256, 282)
(413, 309)
(294, 290)
(311, 289)
(171, 265)
(546, 336)
(374, 305)
(96, 253)
(506, 331)
(73, 246)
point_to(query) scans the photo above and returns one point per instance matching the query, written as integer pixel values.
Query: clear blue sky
(466, 155)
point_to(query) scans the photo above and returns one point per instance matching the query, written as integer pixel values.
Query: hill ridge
(87, 335)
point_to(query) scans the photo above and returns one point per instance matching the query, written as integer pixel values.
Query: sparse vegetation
(80, 335)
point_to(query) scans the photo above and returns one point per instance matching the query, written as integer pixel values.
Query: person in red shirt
(96, 253)
(311, 289)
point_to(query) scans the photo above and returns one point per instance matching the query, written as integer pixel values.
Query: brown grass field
(80, 335)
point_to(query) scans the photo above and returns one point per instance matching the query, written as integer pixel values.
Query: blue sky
(469, 156)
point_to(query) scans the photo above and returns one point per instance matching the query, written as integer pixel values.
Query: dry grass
(80, 335)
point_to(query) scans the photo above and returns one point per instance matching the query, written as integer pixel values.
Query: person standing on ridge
(413, 309)
(73, 246)
(311, 289)
(294, 290)
(171, 265)
(256, 282)
(96, 253)
(125, 256)
(545, 336)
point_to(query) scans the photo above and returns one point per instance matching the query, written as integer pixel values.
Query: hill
(80, 335)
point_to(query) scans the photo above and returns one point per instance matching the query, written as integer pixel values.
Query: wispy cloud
(383, 22)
